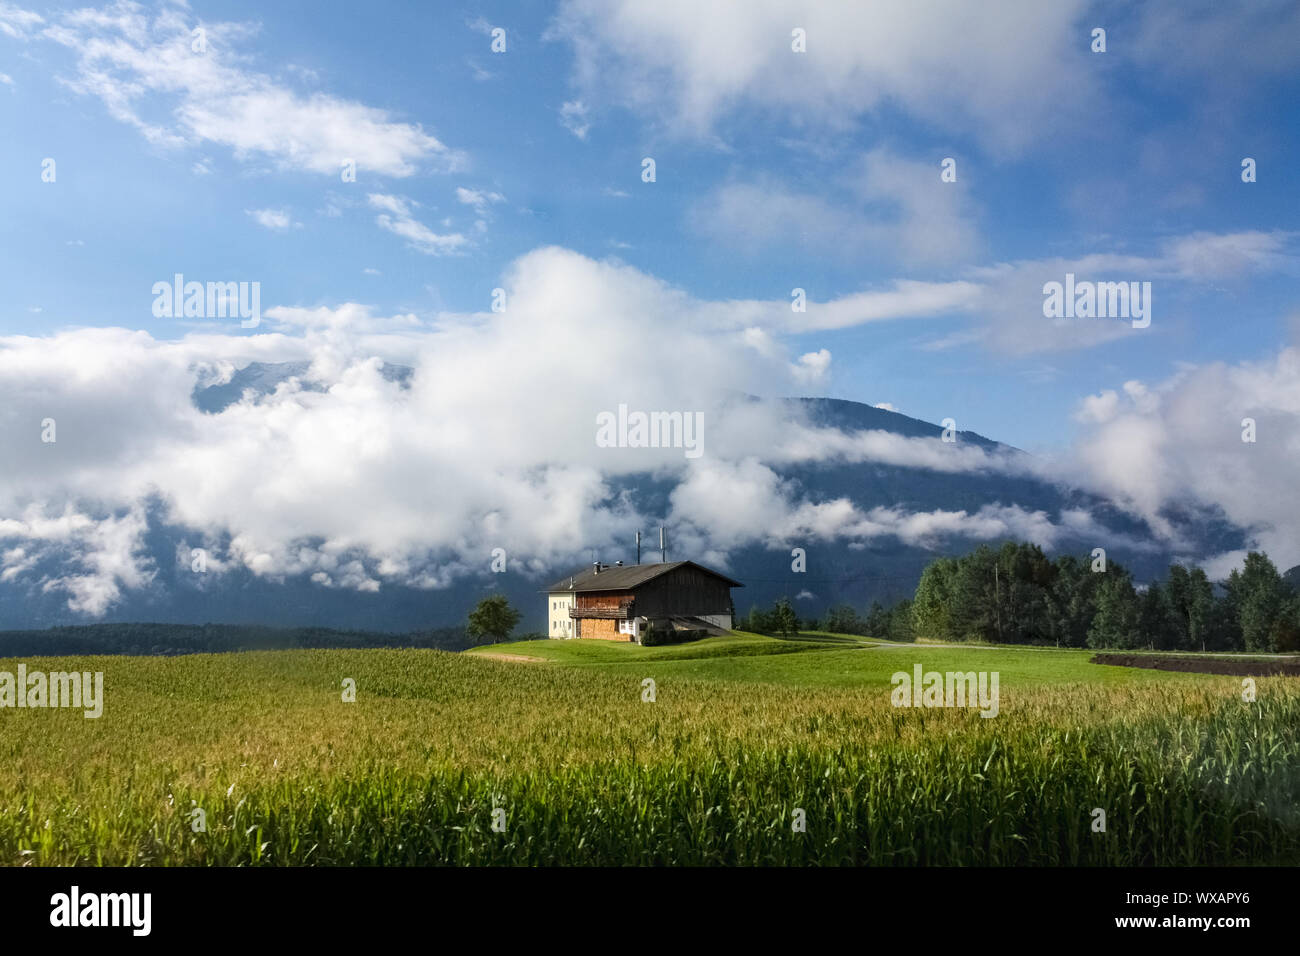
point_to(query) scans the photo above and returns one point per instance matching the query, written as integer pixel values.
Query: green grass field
(744, 731)
(809, 662)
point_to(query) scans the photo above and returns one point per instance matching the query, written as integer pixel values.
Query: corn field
(255, 759)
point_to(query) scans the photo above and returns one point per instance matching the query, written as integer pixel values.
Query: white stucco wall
(558, 623)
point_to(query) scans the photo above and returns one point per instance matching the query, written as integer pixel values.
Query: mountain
(1292, 577)
(262, 378)
(883, 568)
(886, 569)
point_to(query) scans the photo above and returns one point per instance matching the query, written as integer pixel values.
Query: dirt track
(1203, 665)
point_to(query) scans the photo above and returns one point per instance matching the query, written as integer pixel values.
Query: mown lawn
(816, 661)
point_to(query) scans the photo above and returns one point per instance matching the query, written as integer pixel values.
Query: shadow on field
(1203, 665)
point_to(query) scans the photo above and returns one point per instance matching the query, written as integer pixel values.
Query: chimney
(595, 567)
(618, 564)
(638, 547)
(663, 545)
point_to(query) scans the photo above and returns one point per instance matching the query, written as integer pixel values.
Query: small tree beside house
(783, 620)
(492, 620)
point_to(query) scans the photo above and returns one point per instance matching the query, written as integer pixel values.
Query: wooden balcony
(621, 613)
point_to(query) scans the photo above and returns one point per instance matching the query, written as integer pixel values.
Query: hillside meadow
(551, 756)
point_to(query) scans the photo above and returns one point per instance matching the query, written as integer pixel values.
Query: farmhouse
(619, 602)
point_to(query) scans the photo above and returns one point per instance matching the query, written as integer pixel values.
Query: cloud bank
(359, 478)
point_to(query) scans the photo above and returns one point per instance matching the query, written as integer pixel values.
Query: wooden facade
(686, 591)
(615, 602)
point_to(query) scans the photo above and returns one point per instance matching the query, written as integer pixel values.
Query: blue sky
(1149, 153)
(776, 169)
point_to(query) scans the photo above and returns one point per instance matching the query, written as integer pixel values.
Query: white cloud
(890, 207)
(477, 71)
(99, 557)
(466, 458)
(574, 117)
(725, 504)
(1227, 255)
(801, 443)
(1179, 444)
(1010, 302)
(1005, 73)
(398, 217)
(904, 300)
(813, 367)
(18, 23)
(147, 75)
(478, 199)
(1098, 409)
(954, 340)
(277, 220)
(463, 460)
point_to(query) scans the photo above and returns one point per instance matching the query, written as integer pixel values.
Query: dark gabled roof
(626, 578)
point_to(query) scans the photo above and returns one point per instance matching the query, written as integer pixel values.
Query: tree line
(1015, 594)
(174, 639)
(781, 620)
